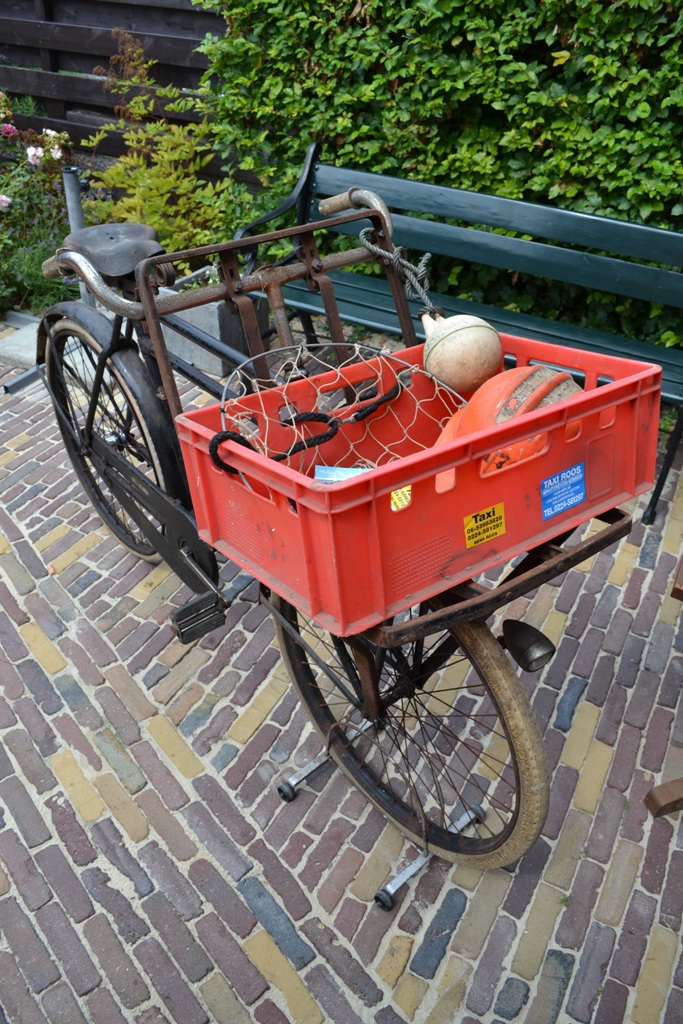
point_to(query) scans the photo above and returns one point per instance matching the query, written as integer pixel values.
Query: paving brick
(575, 920)
(486, 977)
(656, 740)
(657, 855)
(537, 932)
(338, 878)
(432, 950)
(619, 883)
(63, 880)
(26, 815)
(472, 927)
(34, 960)
(22, 870)
(552, 987)
(129, 924)
(223, 807)
(342, 962)
(562, 792)
(177, 938)
(223, 1005)
(278, 924)
(612, 1005)
(180, 845)
(174, 992)
(281, 880)
(631, 660)
(15, 999)
(102, 1008)
(637, 814)
(112, 845)
(607, 823)
(627, 959)
(330, 997)
(115, 962)
(68, 949)
(70, 830)
(590, 975)
(170, 880)
(671, 907)
(164, 782)
(61, 1007)
(233, 911)
(82, 794)
(35, 723)
(211, 835)
(231, 959)
(625, 755)
(268, 1013)
(641, 700)
(74, 738)
(652, 988)
(512, 998)
(324, 852)
(526, 878)
(127, 814)
(409, 994)
(568, 702)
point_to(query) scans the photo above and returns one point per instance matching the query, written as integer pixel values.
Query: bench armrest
(298, 197)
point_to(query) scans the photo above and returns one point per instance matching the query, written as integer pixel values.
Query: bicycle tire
(127, 415)
(462, 742)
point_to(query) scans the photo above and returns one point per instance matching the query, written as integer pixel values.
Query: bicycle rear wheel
(127, 417)
(455, 758)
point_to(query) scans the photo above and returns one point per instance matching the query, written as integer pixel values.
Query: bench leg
(666, 798)
(669, 456)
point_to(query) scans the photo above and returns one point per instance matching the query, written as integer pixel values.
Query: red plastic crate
(352, 554)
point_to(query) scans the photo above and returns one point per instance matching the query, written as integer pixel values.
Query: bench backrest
(593, 270)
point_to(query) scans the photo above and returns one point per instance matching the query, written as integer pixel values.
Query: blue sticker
(563, 491)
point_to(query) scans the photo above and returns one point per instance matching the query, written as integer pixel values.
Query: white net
(331, 411)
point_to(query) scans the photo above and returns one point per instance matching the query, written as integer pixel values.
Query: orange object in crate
(354, 553)
(506, 395)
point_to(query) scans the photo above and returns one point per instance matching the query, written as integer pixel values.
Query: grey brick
(279, 925)
(567, 704)
(512, 998)
(627, 959)
(590, 975)
(552, 987)
(487, 974)
(438, 935)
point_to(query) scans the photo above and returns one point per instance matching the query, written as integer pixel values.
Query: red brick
(115, 962)
(239, 971)
(174, 992)
(65, 883)
(33, 958)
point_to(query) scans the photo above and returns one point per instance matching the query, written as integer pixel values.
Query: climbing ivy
(573, 102)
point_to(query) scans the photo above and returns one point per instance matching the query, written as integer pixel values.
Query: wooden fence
(50, 48)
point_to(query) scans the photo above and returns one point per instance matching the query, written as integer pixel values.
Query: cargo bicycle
(381, 586)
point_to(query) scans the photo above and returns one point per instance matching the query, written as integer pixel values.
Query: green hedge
(573, 102)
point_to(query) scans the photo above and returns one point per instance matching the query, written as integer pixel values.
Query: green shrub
(574, 102)
(160, 179)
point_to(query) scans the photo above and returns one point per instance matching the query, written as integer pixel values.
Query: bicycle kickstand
(384, 898)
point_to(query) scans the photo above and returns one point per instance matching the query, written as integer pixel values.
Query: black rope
(303, 417)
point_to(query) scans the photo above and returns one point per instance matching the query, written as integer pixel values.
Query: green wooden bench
(441, 222)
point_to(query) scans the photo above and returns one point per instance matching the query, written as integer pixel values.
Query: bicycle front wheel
(455, 758)
(126, 417)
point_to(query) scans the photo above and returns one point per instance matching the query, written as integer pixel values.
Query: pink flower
(4, 202)
(8, 130)
(34, 154)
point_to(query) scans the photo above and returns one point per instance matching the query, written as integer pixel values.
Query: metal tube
(74, 209)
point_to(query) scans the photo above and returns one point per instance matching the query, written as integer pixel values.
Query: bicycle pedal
(199, 616)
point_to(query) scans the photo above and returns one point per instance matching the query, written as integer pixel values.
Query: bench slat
(605, 234)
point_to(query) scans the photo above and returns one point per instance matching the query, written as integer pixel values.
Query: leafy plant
(33, 218)
(574, 102)
(159, 180)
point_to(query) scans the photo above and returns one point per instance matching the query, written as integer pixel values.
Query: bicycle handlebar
(55, 265)
(355, 199)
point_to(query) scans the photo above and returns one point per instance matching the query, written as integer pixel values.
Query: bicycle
(421, 708)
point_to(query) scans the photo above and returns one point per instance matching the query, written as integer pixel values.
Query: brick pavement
(149, 872)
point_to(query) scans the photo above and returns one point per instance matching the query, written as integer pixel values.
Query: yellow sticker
(401, 498)
(484, 525)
